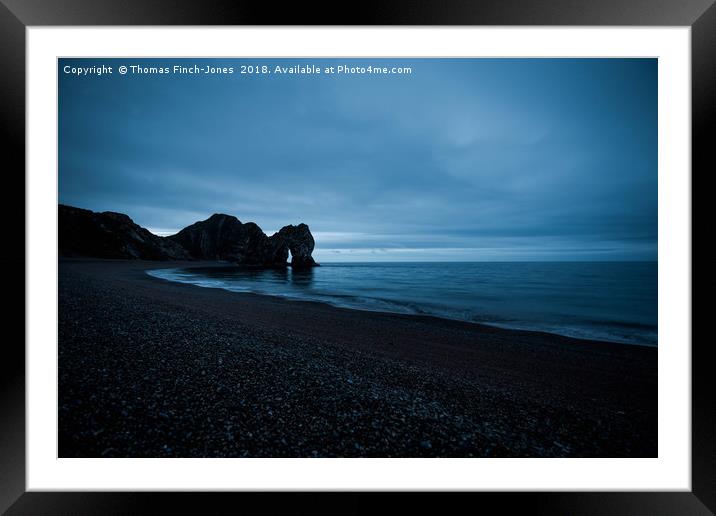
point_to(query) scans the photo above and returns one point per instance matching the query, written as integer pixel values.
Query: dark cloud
(462, 159)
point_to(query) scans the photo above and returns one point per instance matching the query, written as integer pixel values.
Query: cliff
(220, 237)
(111, 235)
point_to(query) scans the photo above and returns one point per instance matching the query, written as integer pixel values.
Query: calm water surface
(614, 301)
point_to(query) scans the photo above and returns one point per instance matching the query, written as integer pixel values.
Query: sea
(610, 301)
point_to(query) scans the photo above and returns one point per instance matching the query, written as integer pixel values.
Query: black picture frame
(17, 15)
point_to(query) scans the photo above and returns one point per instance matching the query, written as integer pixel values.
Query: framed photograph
(445, 248)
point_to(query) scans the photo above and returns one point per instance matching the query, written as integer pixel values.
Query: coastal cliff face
(111, 235)
(223, 237)
(220, 237)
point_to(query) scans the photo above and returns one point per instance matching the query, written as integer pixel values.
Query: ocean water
(613, 301)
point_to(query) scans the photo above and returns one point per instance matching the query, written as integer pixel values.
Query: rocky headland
(84, 233)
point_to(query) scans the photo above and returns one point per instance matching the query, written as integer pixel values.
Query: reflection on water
(302, 277)
(286, 276)
(601, 300)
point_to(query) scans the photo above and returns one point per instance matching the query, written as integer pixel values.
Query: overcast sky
(463, 159)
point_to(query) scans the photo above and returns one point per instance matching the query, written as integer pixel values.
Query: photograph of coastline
(374, 257)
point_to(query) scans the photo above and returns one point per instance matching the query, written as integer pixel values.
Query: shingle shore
(149, 368)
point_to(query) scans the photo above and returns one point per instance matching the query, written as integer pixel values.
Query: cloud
(463, 154)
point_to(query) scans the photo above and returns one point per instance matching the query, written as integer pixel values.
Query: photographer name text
(244, 69)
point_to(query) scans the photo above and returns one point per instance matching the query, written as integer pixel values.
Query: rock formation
(220, 237)
(223, 237)
(111, 235)
(299, 241)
